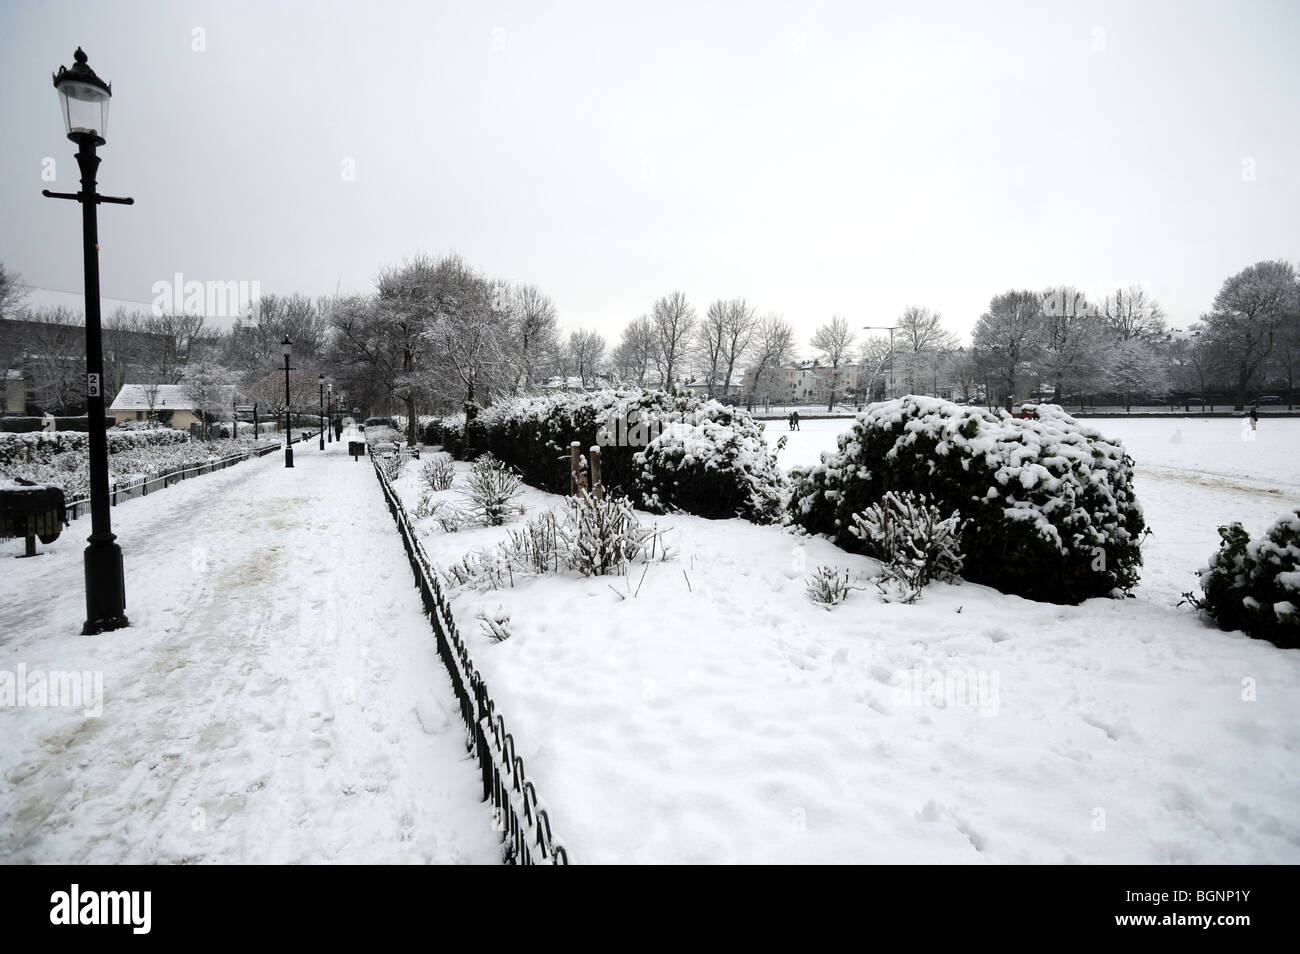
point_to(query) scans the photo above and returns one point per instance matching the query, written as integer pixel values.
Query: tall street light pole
(287, 347)
(84, 98)
(321, 381)
(329, 420)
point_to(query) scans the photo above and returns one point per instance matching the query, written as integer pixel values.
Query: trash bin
(357, 449)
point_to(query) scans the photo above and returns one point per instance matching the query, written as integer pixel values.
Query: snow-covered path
(278, 697)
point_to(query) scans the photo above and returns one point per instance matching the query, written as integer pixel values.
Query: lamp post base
(105, 587)
(288, 455)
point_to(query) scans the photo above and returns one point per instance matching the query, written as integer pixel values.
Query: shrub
(1049, 501)
(712, 469)
(1255, 586)
(828, 587)
(496, 625)
(490, 488)
(913, 539)
(438, 473)
(602, 535)
(664, 452)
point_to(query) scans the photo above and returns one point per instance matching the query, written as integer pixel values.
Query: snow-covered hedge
(45, 447)
(1050, 504)
(63, 458)
(1255, 586)
(665, 452)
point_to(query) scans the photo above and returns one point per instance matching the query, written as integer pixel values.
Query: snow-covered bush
(496, 625)
(1255, 586)
(913, 539)
(1049, 501)
(438, 473)
(828, 587)
(601, 535)
(712, 469)
(538, 547)
(491, 486)
(662, 451)
(446, 432)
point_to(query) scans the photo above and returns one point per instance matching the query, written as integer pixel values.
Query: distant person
(1254, 418)
(794, 420)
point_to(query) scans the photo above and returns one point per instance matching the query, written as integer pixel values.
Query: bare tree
(834, 340)
(586, 351)
(774, 341)
(56, 348)
(1072, 339)
(674, 322)
(920, 343)
(536, 330)
(1006, 334)
(709, 334)
(739, 331)
(1132, 313)
(12, 292)
(634, 352)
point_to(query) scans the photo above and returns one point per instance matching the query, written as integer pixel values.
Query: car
(1269, 399)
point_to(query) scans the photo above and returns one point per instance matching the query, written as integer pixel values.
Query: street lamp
(321, 381)
(84, 99)
(287, 346)
(891, 329)
(329, 419)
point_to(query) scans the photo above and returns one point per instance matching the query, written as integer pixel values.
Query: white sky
(815, 158)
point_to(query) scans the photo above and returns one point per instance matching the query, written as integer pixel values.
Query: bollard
(575, 467)
(597, 485)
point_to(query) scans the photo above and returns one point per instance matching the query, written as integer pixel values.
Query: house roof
(169, 397)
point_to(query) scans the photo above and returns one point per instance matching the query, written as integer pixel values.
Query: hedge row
(1051, 504)
(665, 452)
(25, 425)
(45, 447)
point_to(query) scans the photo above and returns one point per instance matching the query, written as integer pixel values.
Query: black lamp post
(320, 379)
(287, 347)
(329, 418)
(84, 98)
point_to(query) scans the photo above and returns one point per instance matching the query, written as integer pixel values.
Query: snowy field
(277, 698)
(718, 715)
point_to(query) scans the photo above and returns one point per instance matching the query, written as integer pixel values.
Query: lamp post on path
(287, 346)
(84, 97)
(321, 381)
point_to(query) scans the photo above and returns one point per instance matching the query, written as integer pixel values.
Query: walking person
(1254, 418)
(794, 420)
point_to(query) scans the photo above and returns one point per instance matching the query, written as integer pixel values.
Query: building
(172, 404)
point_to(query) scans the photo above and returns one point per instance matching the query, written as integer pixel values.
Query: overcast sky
(815, 158)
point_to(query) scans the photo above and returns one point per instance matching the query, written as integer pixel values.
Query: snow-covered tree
(1250, 312)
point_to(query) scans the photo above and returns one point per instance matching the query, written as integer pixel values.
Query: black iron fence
(524, 825)
(142, 488)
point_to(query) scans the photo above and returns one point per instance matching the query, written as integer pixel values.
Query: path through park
(277, 697)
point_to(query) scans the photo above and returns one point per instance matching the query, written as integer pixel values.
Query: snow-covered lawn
(720, 716)
(277, 698)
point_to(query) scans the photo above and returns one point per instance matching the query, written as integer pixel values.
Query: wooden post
(575, 467)
(597, 485)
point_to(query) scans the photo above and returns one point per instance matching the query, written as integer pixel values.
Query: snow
(718, 715)
(278, 697)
